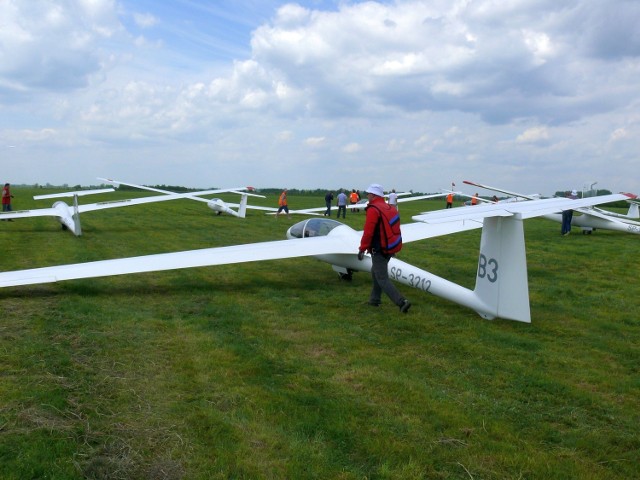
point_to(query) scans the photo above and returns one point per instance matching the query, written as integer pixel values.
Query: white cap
(376, 189)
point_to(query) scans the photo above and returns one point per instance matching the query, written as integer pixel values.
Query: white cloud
(540, 45)
(395, 145)
(315, 142)
(422, 140)
(145, 20)
(352, 148)
(52, 45)
(285, 136)
(452, 132)
(534, 135)
(618, 134)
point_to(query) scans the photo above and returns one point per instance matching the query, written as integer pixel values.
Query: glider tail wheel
(347, 277)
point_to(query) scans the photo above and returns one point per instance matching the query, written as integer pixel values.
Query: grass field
(277, 370)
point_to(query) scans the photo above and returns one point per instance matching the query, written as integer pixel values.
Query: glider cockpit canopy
(313, 227)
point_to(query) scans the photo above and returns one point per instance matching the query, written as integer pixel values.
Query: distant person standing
(353, 200)
(450, 200)
(567, 215)
(393, 198)
(342, 204)
(6, 198)
(328, 200)
(283, 204)
(474, 199)
(382, 238)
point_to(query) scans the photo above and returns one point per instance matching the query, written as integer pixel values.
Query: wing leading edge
(273, 250)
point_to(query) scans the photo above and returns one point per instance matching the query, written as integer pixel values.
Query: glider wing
(529, 209)
(177, 260)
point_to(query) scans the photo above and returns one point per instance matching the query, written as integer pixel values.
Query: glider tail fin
(633, 211)
(77, 228)
(501, 281)
(242, 211)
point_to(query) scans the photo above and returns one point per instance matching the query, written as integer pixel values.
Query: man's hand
(360, 254)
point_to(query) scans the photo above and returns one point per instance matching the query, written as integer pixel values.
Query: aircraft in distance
(587, 218)
(69, 217)
(363, 203)
(501, 287)
(466, 203)
(533, 196)
(632, 214)
(214, 204)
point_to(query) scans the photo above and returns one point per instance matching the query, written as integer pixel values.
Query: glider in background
(588, 218)
(69, 216)
(467, 202)
(363, 203)
(533, 196)
(214, 204)
(501, 285)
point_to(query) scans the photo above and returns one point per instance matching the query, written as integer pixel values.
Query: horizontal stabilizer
(420, 197)
(524, 210)
(506, 192)
(168, 192)
(79, 193)
(246, 193)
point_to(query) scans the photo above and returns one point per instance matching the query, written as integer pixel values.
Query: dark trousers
(380, 280)
(567, 216)
(343, 209)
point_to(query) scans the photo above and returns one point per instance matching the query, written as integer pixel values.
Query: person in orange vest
(474, 199)
(450, 200)
(353, 200)
(283, 204)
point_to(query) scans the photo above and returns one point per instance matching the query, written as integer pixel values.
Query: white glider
(589, 218)
(501, 288)
(69, 216)
(215, 204)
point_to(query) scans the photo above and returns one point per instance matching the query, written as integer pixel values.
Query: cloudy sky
(529, 95)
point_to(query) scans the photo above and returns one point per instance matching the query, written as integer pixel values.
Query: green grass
(278, 370)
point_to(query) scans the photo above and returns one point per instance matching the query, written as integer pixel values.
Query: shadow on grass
(148, 284)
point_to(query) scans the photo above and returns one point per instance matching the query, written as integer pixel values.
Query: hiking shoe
(405, 306)
(373, 304)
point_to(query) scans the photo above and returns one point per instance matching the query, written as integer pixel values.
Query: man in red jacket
(372, 242)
